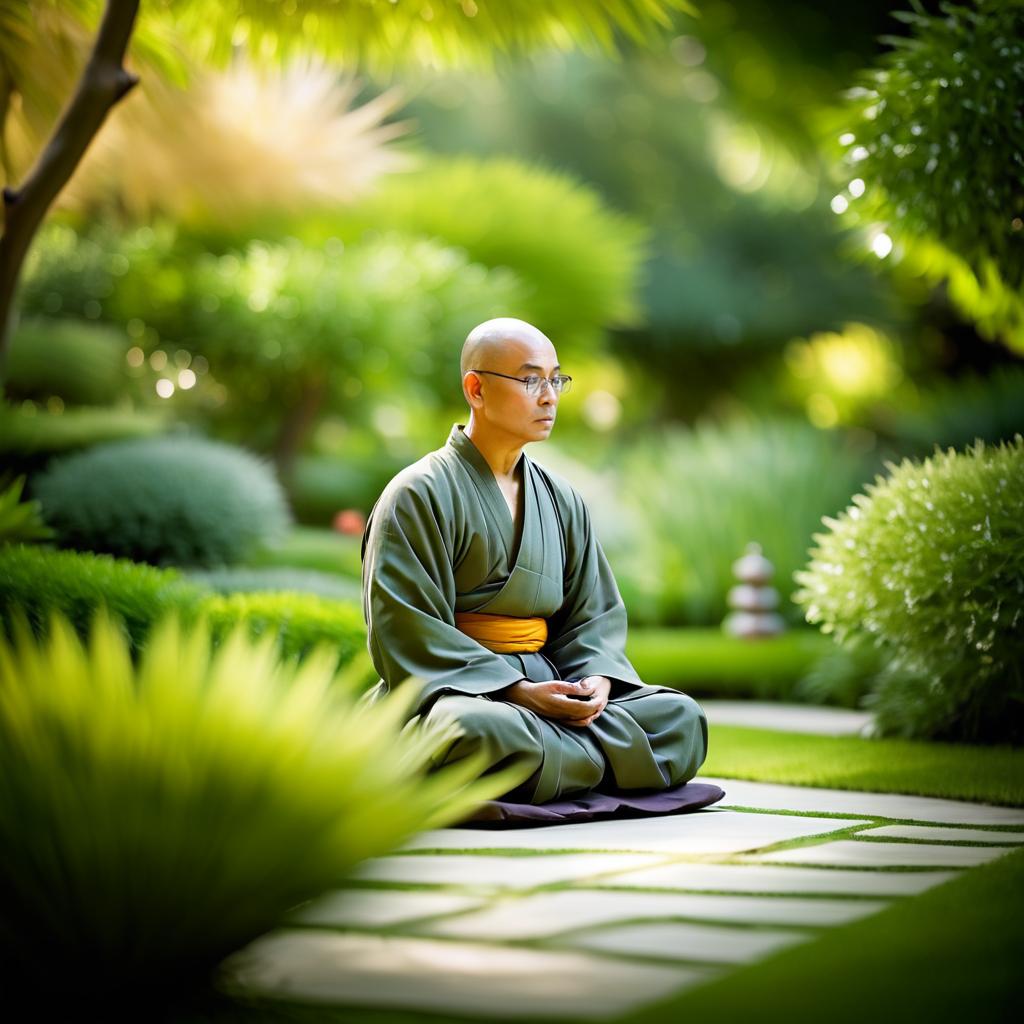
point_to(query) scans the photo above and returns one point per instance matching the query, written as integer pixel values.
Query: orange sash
(504, 634)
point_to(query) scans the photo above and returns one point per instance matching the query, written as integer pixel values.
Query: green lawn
(960, 772)
(953, 953)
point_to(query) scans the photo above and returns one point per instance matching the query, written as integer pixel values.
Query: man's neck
(500, 450)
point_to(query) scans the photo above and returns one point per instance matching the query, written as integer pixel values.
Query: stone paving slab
(772, 796)
(377, 908)
(753, 878)
(469, 979)
(924, 833)
(873, 855)
(460, 951)
(673, 940)
(506, 872)
(808, 718)
(709, 831)
(545, 914)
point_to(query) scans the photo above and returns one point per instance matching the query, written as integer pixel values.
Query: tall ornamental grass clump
(693, 499)
(155, 818)
(928, 565)
(164, 500)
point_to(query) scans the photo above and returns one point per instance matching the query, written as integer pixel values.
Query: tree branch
(103, 83)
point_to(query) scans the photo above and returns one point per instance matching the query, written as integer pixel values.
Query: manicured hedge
(37, 580)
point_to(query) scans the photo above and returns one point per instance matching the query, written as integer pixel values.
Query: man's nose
(547, 393)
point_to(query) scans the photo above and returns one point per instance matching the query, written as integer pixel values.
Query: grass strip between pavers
(910, 767)
(951, 954)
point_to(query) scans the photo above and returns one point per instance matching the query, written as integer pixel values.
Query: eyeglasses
(560, 383)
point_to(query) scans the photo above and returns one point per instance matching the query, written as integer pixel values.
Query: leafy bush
(36, 581)
(692, 500)
(315, 326)
(178, 501)
(928, 565)
(155, 818)
(19, 520)
(578, 258)
(80, 362)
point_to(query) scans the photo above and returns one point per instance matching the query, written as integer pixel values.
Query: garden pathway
(593, 920)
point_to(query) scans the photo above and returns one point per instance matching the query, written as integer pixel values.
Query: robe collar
(492, 493)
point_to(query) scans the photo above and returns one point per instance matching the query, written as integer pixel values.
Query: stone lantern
(753, 600)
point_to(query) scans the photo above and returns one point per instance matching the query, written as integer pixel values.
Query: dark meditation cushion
(593, 806)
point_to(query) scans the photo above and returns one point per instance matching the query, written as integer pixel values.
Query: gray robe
(441, 539)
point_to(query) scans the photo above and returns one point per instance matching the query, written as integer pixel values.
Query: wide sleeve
(408, 601)
(587, 635)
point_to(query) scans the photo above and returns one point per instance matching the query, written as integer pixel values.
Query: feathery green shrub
(36, 581)
(693, 499)
(176, 501)
(299, 621)
(928, 565)
(156, 817)
(938, 138)
(81, 362)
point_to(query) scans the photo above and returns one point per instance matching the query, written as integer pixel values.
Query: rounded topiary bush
(929, 565)
(164, 500)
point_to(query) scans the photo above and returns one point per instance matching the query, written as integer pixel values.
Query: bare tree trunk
(296, 427)
(103, 83)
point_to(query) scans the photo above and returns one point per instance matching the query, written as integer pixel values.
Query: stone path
(812, 718)
(594, 920)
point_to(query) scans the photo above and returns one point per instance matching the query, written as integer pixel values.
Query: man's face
(506, 404)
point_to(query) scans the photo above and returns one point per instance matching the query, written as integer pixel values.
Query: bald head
(488, 341)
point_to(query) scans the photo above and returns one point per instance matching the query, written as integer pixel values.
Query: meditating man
(483, 577)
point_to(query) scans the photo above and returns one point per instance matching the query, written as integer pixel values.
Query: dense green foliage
(938, 140)
(169, 501)
(77, 361)
(156, 817)
(577, 258)
(928, 565)
(298, 621)
(36, 581)
(694, 499)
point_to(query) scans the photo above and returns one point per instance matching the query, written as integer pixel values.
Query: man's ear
(471, 389)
